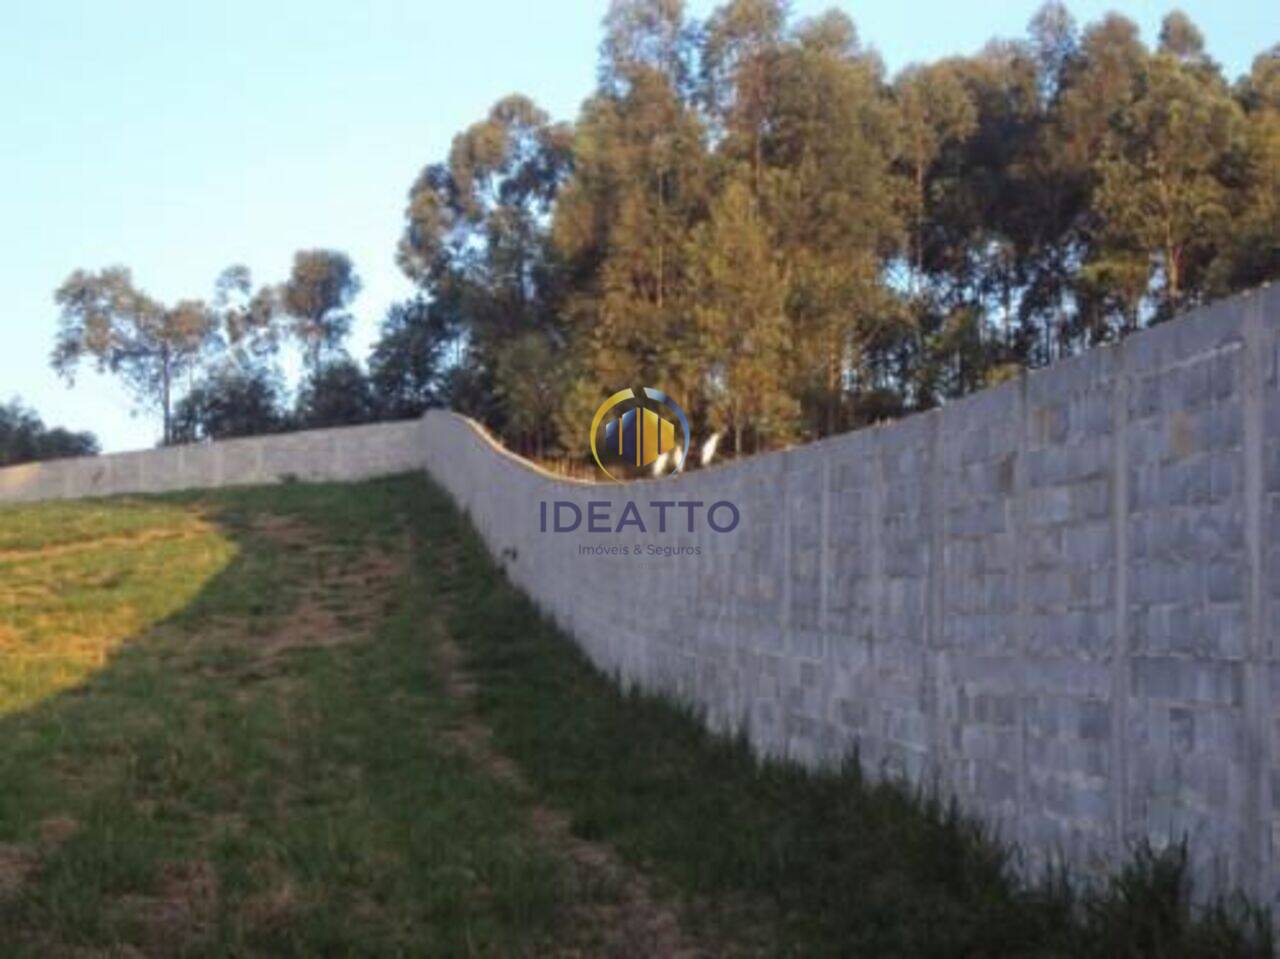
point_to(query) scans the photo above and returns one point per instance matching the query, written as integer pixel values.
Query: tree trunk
(917, 254)
(1173, 271)
(833, 390)
(167, 398)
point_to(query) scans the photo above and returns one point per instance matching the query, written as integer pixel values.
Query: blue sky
(180, 138)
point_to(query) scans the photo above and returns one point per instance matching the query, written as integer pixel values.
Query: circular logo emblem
(636, 429)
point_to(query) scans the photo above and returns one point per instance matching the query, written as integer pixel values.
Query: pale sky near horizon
(178, 139)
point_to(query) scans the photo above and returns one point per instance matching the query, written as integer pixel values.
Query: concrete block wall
(346, 453)
(1059, 599)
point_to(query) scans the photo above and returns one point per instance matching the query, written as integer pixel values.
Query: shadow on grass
(828, 863)
(233, 780)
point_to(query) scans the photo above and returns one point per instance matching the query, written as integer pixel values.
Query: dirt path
(622, 917)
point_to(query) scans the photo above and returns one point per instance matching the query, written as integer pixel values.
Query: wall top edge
(1191, 325)
(791, 458)
(239, 442)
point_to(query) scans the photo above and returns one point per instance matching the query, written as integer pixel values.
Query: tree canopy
(25, 439)
(108, 320)
(750, 213)
(211, 368)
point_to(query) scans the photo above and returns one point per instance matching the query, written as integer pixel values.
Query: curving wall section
(1058, 599)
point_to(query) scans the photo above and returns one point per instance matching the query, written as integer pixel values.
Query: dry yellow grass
(67, 606)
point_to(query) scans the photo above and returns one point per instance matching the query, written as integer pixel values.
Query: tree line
(211, 368)
(24, 438)
(752, 214)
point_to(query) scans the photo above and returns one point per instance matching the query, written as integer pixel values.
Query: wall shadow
(264, 767)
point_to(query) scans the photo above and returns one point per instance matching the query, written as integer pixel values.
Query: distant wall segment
(347, 453)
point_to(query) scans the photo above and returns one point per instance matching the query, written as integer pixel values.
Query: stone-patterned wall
(1058, 599)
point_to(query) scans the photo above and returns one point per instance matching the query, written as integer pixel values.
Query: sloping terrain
(315, 720)
(223, 733)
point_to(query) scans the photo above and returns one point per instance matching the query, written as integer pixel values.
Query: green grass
(224, 735)
(829, 863)
(206, 790)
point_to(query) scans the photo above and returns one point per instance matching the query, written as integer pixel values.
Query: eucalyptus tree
(623, 220)
(748, 211)
(249, 318)
(108, 321)
(740, 320)
(1250, 255)
(476, 239)
(1163, 200)
(738, 61)
(830, 200)
(315, 300)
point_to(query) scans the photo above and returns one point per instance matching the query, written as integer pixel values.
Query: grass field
(315, 720)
